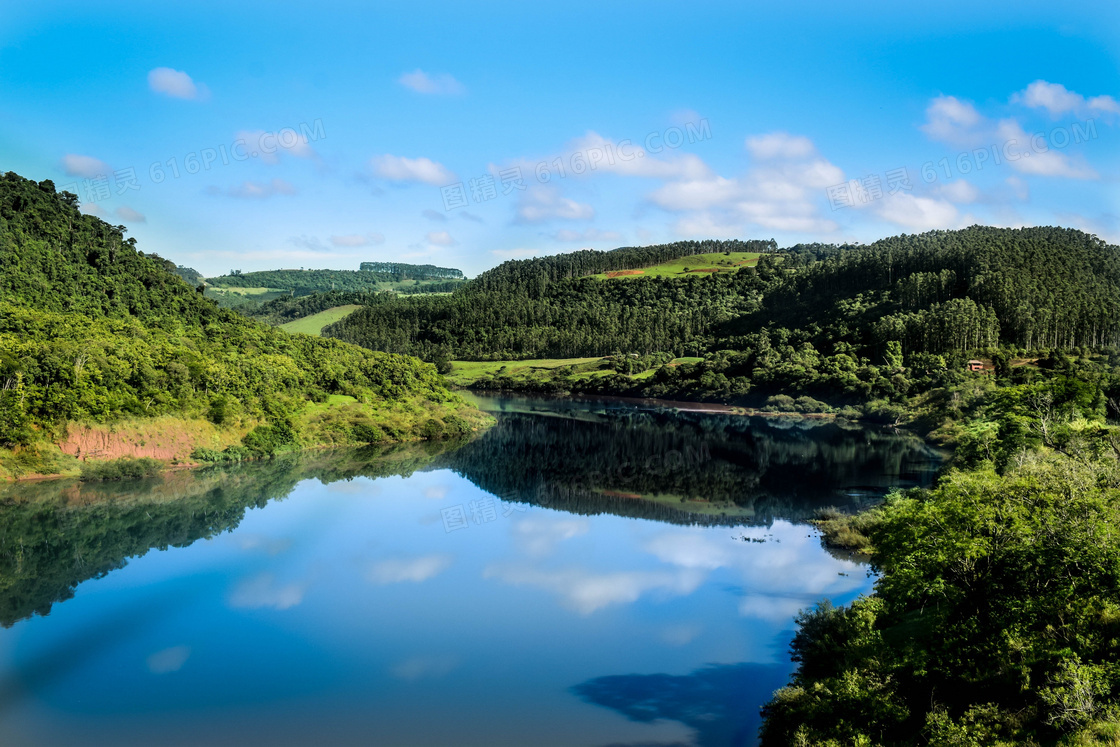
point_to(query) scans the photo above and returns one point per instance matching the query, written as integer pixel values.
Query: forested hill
(415, 272)
(92, 330)
(533, 275)
(1030, 287)
(932, 293)
(306, 282)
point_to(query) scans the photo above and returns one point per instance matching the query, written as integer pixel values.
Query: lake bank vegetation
(93, 331)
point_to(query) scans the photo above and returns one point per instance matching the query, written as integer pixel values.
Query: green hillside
(94, 331)
(694, 263)
(306, 282)
(313, 325)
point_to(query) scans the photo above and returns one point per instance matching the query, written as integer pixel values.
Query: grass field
(313, 325)
(465, 373)
(695, 264)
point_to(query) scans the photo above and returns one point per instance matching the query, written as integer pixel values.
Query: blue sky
(797, 121)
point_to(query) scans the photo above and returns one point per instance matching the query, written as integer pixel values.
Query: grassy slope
(313, 325)
(104, 348)
(695, 263)
(466, 373)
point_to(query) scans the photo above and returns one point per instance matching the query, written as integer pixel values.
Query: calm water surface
(585, 573)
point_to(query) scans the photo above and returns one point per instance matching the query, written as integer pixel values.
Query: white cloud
(434, 215)
(1032, 159)
(960, 191)
(267, 146)
(92, 208)
(541, 203)
(918, 213)
(84, 166)
(124, 212)
(591, 234)
(268, 545)
(414, 570)
(780, 145)
(256, 190)
(1019, 187)
(440, 238)
(601, 155)
(1057, 99)
(772, 608)
(312, 243)
(169, 660)
(263, 591)
(781, 193)
(539, 536)
(422, 82)
(587, 591)
(950, 120)
(177, 84)
(1104, 104)
(401, 169)
(357, 239)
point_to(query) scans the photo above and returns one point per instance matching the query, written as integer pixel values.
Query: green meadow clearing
(466, 373)
(694, 264)
(313, 325)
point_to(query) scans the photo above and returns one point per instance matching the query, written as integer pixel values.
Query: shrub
(120, 469)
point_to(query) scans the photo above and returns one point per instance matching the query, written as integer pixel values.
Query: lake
(587, 572)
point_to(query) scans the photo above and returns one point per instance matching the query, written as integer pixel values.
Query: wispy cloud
(780, 192)
(408, 569)
(255, 190)
(176, 84)
(269, 146)
(125, 213)
(1057, 100)
(402, 169)
(84, 166)
(439, 85)
(587, 591)
(357, 239)
(1037, 162)
(541, 203)
(264, 592)
(950, 120)
(440, 238)
(169, 660)
(539, 536)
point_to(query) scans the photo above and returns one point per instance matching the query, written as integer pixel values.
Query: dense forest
(306, 282)
(995, 614)
(934, 293)
(92, 330)
(548, 307)
(404, 271)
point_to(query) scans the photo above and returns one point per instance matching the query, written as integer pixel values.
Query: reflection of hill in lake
(710, 700)
(688, 467)
(681, 468)
(56, 534)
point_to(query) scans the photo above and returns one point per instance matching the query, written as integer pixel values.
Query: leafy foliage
(93, 330)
